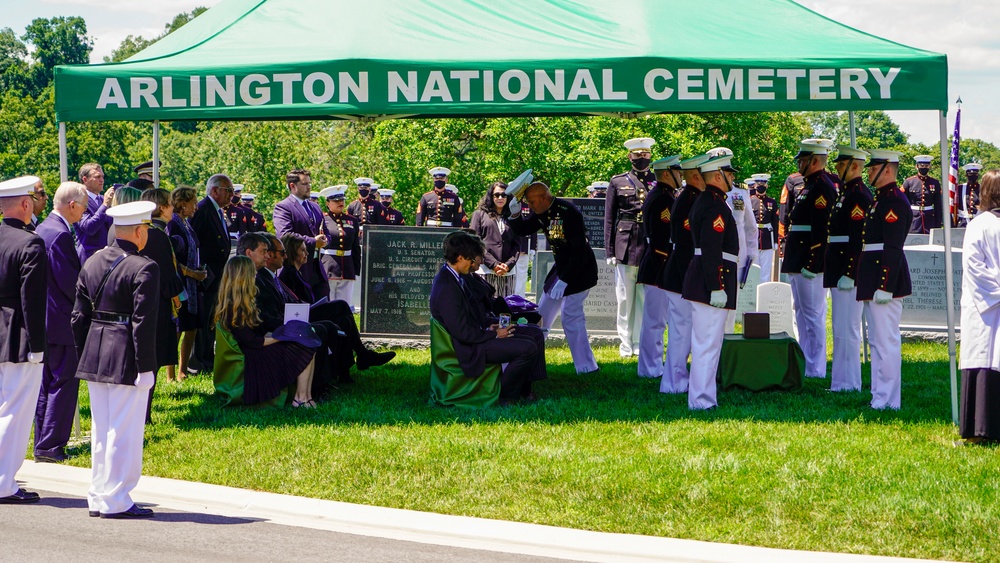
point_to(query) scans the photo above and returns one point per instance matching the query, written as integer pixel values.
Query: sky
(959, 28)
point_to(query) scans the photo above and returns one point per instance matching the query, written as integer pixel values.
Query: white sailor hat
(134, 213)
(808, 149)
(237, 188)
(451, 188)
(719, 151)
(439, 171)
(882, 156)
(972, 166)
(640, 144)
(845, 152)
(749, 181)
(762, 177)
(333, 192)
(667, 163)
(248, 197)
(923, 159)
(694, 162)
(594, 186)
(375, 187)
(364, 181)
(828, 143)
(24, 185)
(717, 163)
(313, 195)
(386, 192)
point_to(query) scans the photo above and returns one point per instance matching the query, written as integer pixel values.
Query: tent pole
(864, 320)
(63, 157)
(854, 132)
(949, 282)
(156, 152)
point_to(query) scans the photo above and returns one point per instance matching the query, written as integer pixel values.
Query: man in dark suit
(92, 229)
(297, 216)
(475, 346)
(22, 330)
(57, 398)
(209, 223)
(114, 325)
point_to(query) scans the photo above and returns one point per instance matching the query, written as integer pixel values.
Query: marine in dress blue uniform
(255, 221)
(675, 372)
(341, 258)
(710, 283)
(805, 250)
(967, 195)
(236, 215)
(765, 210)
(843, 255)
(625, 239)
(439, 207)
(884, 276)
(114, 324)
(924, 194)
(656, 223)
(392, 216)
(597, 190)
(23, 271)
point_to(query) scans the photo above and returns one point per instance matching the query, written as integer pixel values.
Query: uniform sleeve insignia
(891, 217)
(687, 224)
(857, 213)
(719, 224)
(820, 202)
(665, 216)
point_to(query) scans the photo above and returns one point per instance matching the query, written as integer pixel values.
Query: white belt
(873, 247)
(803, 228)
(329, 252)
(964, 215)
(436, 223)
(924, 208)
(839, 238)
(765, 226)
(725, 255)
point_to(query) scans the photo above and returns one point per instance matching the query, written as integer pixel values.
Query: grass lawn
(805, 470)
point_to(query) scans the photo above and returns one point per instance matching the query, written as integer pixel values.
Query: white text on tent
(760, 83)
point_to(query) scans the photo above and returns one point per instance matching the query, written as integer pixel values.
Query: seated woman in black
(270, 365)
(296, 255)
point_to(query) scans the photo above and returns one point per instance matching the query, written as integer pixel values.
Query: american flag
(953, 170)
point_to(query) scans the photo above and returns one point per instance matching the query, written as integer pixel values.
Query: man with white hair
(214, 245)
(57, 398)
(23, 271)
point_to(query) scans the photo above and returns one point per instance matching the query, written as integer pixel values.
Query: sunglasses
(499, 196)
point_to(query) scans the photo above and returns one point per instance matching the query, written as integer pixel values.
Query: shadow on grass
(398, 394)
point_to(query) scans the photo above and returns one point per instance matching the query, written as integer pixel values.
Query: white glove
(558, 289)
(36, 357)
(514, 205)
(845, 283)
(882, 297)
(612, 261)
(808, 275)
(531, 254)
(718, 298)
(144, 381)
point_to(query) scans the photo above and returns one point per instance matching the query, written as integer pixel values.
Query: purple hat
(299, 332)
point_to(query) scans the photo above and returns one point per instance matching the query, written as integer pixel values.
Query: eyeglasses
(499, 196)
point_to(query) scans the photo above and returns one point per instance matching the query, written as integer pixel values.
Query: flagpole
(949, 301)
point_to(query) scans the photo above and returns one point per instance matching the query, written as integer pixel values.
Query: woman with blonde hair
(270, 365)
(979, 417)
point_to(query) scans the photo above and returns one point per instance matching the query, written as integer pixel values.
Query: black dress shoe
(132, 513)
(20, 497)
(370, 359)
(40, 458)
(93, 513)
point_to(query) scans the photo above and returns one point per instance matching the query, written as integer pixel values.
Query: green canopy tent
(378, 59)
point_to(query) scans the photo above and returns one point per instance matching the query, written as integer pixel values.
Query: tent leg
(864, 321)
(854, 132)
(156, 152)
(63, 157)
(949, 281)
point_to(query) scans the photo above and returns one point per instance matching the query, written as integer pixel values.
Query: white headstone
(925, 307)
(775, 298)
(957, 237)
(746, 297)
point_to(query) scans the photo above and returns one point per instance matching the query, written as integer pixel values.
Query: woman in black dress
(296, 255)
(269, 365)
(489, 221)
(191, 315)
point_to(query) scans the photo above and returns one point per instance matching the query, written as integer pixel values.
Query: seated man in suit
(452, 305)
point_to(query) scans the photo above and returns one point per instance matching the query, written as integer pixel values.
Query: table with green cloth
(761, 363)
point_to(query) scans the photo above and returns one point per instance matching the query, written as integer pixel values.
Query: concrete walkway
(371, 522)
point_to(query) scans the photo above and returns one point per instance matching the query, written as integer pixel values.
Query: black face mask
(641, 163)
(439, 184)
(973, 178)
(923, 171)
(762, 190)
(363, 193)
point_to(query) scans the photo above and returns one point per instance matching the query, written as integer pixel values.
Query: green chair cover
(228, 372)
(449, 384)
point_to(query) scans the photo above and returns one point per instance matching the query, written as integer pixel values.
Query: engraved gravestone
(593, 218)
(917, 239)
(957, 236)
(601, 305)
(925, 307)
(746, 297)
(397, 268)
(775, 298)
